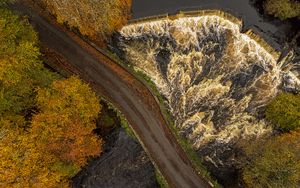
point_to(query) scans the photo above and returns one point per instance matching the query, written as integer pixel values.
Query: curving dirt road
(128, 94)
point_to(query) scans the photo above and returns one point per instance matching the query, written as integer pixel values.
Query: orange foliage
(67, 120)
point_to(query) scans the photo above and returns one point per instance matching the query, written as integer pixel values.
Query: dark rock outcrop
(124, 164)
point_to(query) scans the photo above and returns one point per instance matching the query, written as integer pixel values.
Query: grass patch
(161, 180)
(123, 121)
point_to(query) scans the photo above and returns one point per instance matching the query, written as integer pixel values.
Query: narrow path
(125, 92)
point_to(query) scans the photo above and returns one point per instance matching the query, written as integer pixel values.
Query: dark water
(272, 30)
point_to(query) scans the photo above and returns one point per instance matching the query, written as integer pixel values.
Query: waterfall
(216, 80)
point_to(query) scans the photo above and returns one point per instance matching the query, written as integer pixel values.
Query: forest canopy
(46, 122)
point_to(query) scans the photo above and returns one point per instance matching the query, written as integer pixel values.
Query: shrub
(284, 112)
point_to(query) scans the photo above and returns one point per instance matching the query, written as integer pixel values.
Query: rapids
(215, 79)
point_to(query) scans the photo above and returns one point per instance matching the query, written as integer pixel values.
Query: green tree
(283, 9)
(21, 71)
(273, 163)
(284, 111)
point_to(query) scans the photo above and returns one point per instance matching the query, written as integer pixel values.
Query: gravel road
(127, 93)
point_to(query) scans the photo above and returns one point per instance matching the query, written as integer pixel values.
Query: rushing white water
(216, 80)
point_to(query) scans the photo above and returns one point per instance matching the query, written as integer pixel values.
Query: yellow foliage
(22, 164)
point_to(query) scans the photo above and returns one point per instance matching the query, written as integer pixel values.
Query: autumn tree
(66, 120)
(23, 164)
(283, 9)
(96, 19)
(274, 162)
(58, 142)
(284, 111)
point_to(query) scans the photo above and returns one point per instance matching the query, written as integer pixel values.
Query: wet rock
(221, 162)
(163, 57)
